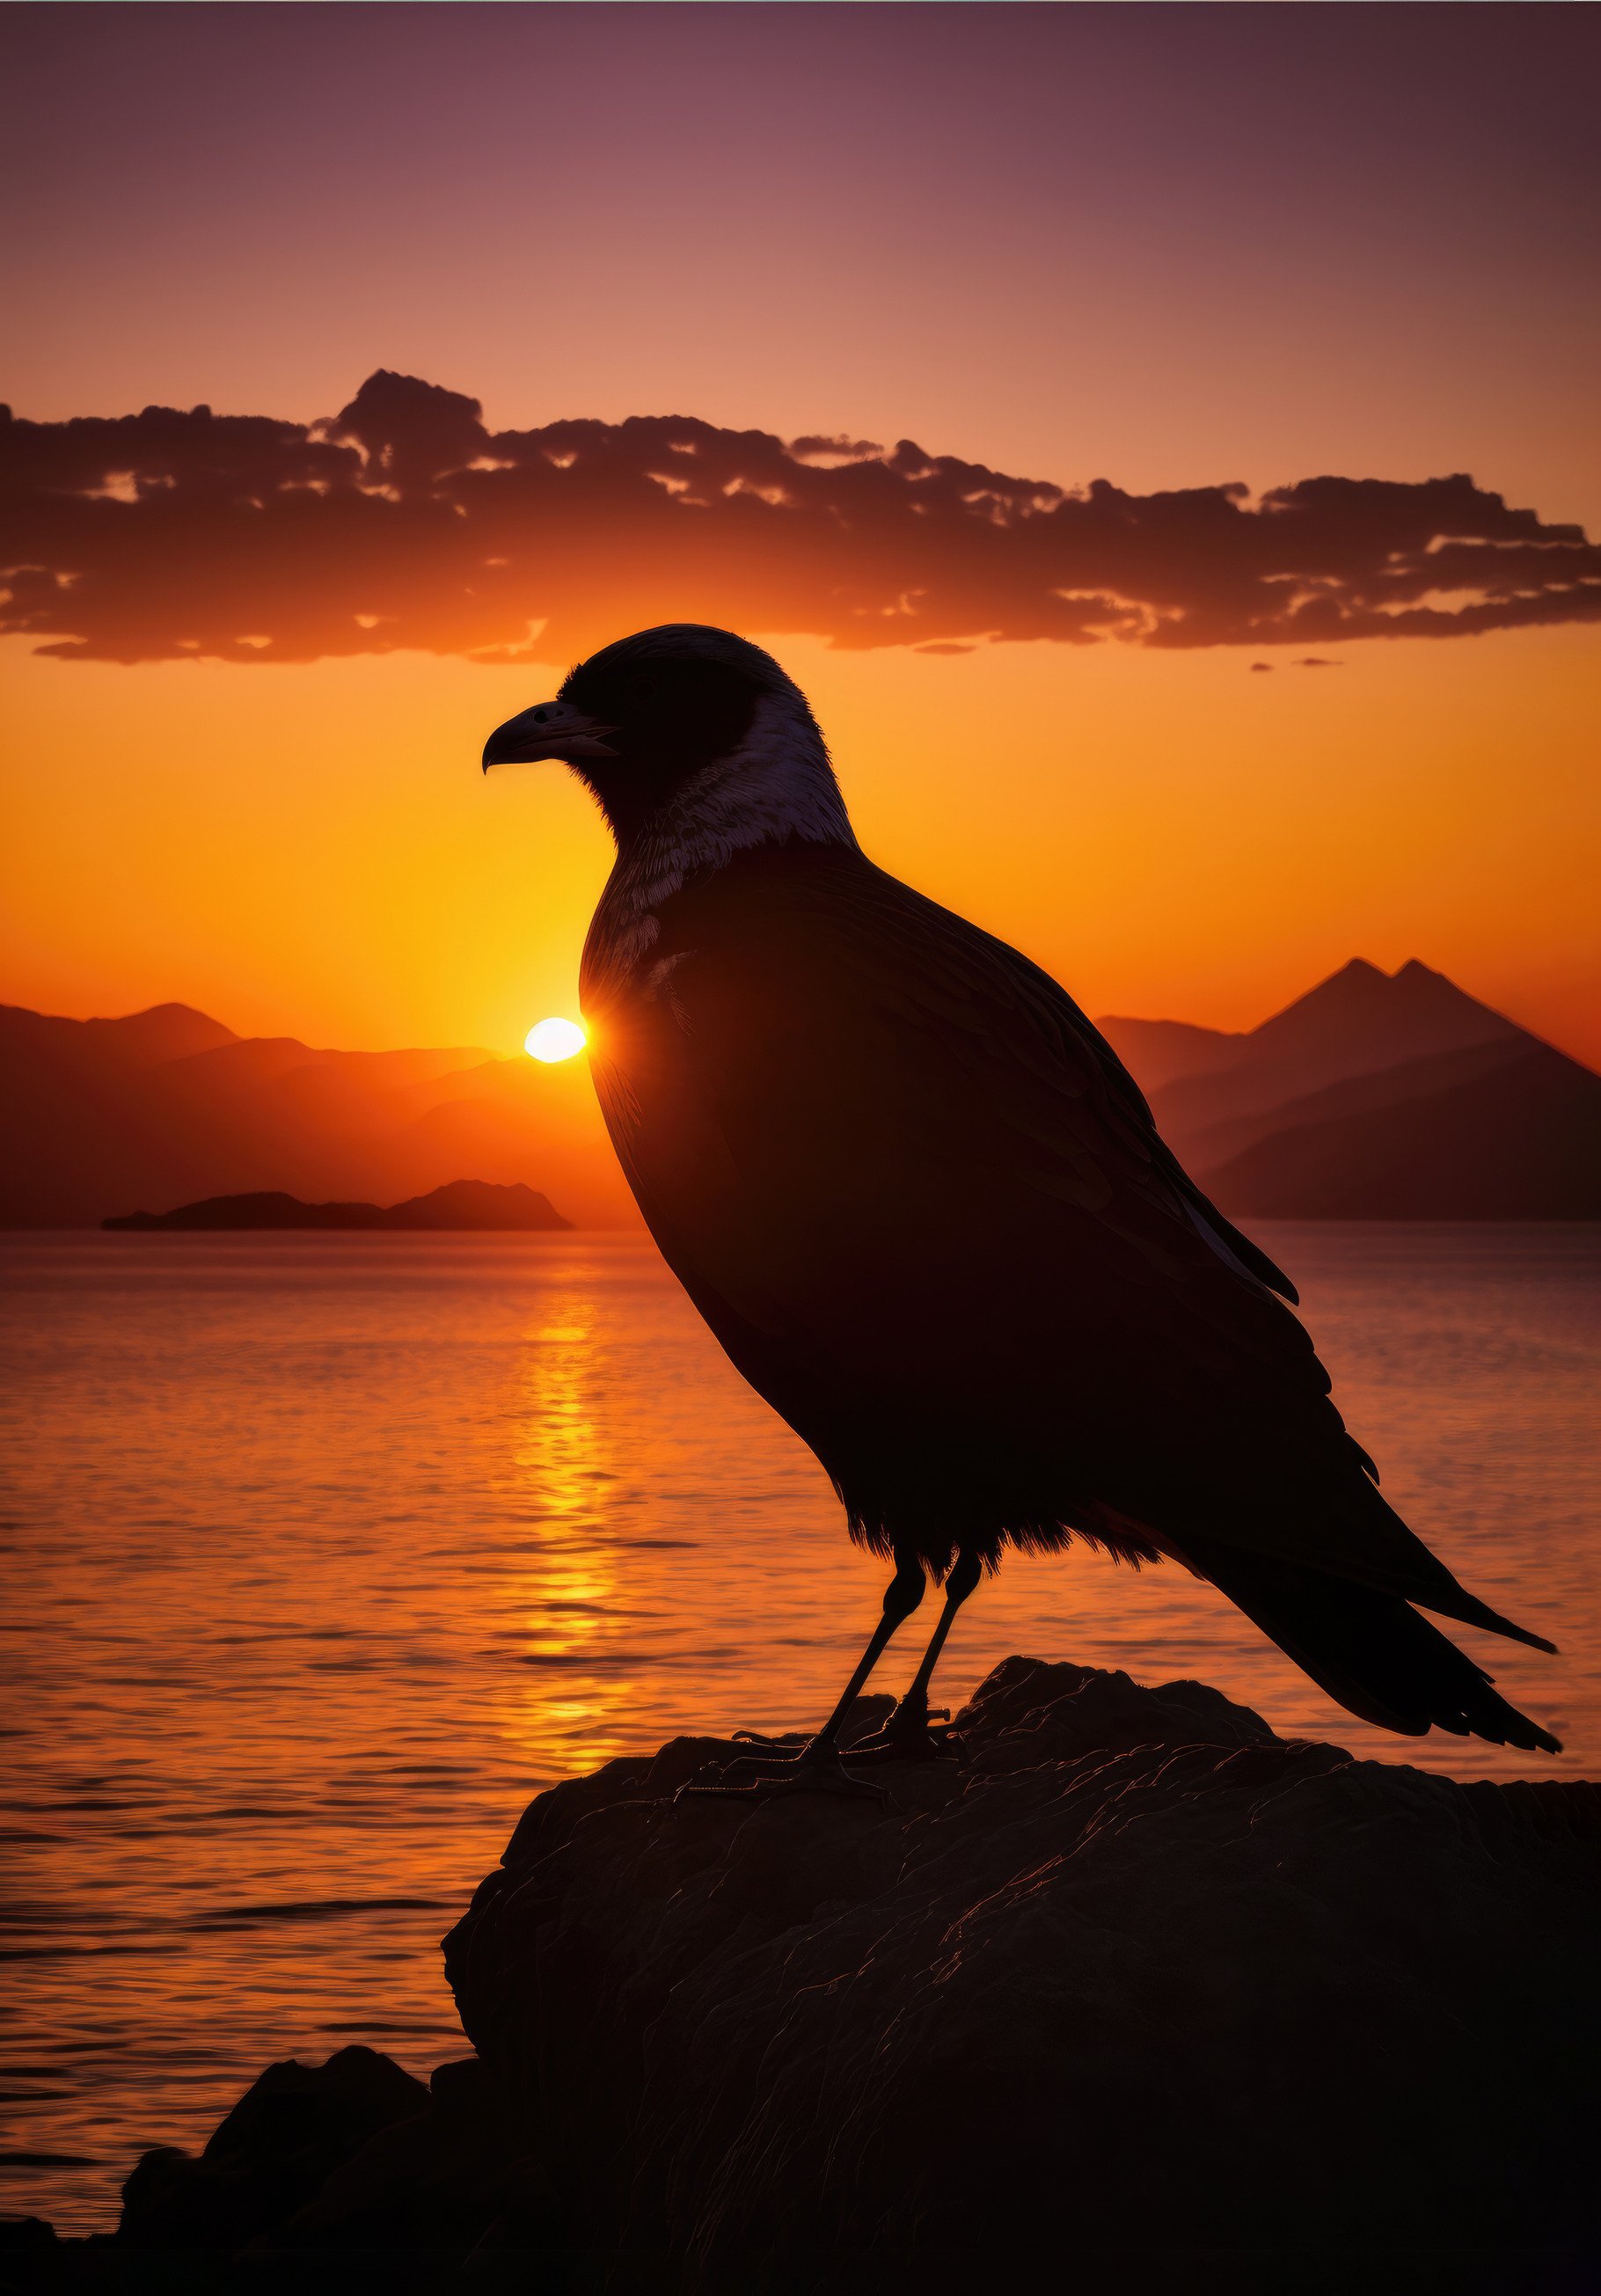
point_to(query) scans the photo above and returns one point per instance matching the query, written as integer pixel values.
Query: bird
(928, 1214)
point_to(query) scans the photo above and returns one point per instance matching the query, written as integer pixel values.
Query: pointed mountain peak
(1416, 973)
(1363, 1018)
(1357, 988)
(1419, 986)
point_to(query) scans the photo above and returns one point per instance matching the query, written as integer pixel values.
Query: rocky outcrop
(295, 2129)
(347, 2175)
(1136, 1973)
(1133, 1988)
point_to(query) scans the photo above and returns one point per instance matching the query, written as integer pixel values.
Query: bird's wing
(1034, 987)
(910, 1186)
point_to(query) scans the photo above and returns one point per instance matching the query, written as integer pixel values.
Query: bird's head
(684, 716)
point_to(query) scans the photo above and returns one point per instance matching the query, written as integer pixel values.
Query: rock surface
(1137, 1973)
(294, 2127)
(1133, 1990)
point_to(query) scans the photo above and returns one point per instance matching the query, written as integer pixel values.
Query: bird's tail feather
(1453, 1602)
(1372, 1651)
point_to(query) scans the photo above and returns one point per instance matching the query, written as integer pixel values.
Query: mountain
(462, 1204)
(169, 1107)
(1158, 1052)
(1352, 1025)
(1213, 1093)
(1359, 1011)
(1519, 1141)
(1217, 1144)
(166, 1032)
(1374, 1097)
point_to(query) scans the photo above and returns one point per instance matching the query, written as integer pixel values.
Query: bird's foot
(816, 1768)
(911, 1734)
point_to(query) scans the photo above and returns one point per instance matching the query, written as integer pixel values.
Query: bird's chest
(693, 1022)
(634, 1014)
(643, 1054)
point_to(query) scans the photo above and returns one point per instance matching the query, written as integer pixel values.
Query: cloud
(402, 521)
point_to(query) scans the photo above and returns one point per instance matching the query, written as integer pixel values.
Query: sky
(896, 286)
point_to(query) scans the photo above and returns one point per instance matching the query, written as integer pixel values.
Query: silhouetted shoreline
(1136, 1979)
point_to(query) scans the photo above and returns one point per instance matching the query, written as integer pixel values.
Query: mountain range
(100, 1118)
(1376, 1095)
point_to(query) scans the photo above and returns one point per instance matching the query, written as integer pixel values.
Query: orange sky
(1174, 247)
(312, 849)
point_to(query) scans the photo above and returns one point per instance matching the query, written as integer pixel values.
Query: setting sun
(554, 1040)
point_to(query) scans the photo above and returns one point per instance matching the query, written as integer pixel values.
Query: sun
(554, 1040)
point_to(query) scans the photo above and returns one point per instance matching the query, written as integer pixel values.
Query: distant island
(460, 1204)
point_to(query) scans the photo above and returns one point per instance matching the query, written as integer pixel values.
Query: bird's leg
(902, 1595)
(907, 1732)
(817, 1764)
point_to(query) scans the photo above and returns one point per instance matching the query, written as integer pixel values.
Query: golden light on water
(565, 1594)
(554, 1040)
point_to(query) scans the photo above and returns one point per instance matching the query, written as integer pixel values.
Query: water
(327, 1554)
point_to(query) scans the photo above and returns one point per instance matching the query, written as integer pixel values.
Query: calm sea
(326, 1555)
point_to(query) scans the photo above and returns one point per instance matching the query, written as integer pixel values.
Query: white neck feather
(776, 786)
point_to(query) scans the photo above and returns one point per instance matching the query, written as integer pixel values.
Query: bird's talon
(814, 1769)
(910, 1739)
(820, 1780)
(698, 1787)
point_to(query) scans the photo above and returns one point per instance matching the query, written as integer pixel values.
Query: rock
(322, 2178)
(21, 2235)
(272, 2156)
(1136, 1975)
(435, 2181)
(29, 2252)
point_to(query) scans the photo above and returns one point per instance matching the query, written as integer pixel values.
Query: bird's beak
(550, 729)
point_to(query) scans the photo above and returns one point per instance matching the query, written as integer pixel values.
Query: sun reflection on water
(568, 1591)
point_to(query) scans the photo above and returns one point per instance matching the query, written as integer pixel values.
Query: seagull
(927, 1212)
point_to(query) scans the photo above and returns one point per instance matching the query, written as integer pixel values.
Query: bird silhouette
(927, 1212)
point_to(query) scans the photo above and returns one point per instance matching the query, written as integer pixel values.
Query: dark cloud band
(403, 523)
